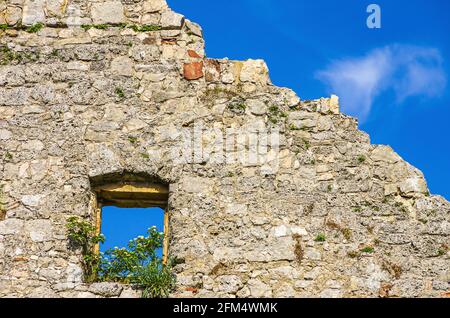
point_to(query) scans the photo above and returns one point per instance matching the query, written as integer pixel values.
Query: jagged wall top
(79, 12)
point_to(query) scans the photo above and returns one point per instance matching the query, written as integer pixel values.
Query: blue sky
(394, 79)
(121, 225)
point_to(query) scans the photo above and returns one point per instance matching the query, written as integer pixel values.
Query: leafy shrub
(82, 235)
(137, 264)
(122, 263)
(155, 278)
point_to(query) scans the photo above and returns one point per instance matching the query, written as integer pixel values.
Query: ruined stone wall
(111, 87)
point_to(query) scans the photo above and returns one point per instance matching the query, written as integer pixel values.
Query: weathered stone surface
(257, 107)
(258, 289)
(130, 293)
(11, 226)
(33, 12)
(171, 20)
(254, 71)
(385, 154)
(151, 6)
(13, 15)
(194, 28)
(5, 134)
(40, 230)
(122, 65)
(108, 12)
(413, 185)
(106, 289)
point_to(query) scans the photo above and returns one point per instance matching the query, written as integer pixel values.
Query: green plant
(82, 234)
(357, 209)
(119, 92)
(361, 159)
(306, 143)
(122, 262)
(401, 207)
(155, 278)
(4, 27)
(237, 106)
(55, 53)
(7, 56)
(8, 156)
(273, 114)
(145, 28)
(137, 264)
(368, 250)
(87, 27)
(35, 27)
(132, 139)
(443, 250)
(320, 238)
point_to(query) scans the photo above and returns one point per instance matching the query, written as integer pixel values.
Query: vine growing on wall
(138, 264)
(82, 235)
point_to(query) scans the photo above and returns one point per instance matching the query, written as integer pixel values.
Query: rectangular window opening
(126, 211)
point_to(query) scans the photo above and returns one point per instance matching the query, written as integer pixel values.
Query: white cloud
(407, 70)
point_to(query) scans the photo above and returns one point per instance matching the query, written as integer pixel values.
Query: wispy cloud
(407, 70)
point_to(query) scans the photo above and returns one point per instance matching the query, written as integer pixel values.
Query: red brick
(192, 53)
(193, 71)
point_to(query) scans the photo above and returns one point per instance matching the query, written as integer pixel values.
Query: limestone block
(130, 293)
(255, 71)
(106, 289)
(134, 124)
(40, 230)
(31, 200)
(74, 274)
(11, 226)
(413, 185)
(109, 12)
(33, 12)
(171, 20)
(122, 66)
(56, 7)
(33, 145)
(384, 154)
(150, 6)
(258, 289)
(151, 19)
(5, 134)
(257, 107)
(229, 284)
(12, 15)
(194, 28)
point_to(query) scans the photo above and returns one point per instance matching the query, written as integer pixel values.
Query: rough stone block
(109, 12)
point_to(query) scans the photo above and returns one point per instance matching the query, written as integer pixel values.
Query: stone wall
(104, 88)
